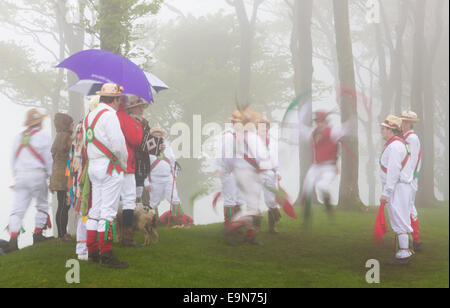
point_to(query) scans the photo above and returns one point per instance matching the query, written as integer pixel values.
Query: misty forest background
(363, 59)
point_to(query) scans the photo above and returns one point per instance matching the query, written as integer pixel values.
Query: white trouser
(399, 209)
(269, 178)
(128, 193)
(106, 191)
(319, 176)
(162, 188)
(81, 237)
(29, 185)
(249, 183)
(230, 192)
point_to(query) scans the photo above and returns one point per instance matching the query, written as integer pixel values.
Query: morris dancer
(161, 182)
(232, 197)
(325, 141)
(396, 193)
(107, 153)
(80, 185)
(32, 165)
(269, 177)
(251, 157)
(408, 119)
(132, 131)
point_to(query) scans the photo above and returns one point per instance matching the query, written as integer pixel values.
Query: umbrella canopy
(90, 87)
(103, 66)
(156, 83)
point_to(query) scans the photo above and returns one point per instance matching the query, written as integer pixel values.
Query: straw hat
(245, 116)
(111, 90)
(409, 116)
(157, 130)
(135, 101)
(34, 117)
(392, 122)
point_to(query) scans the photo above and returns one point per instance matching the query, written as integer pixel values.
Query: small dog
(144, 221)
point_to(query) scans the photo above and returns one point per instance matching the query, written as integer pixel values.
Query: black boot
(108, 259)
(12, 246)
(39, 237)
(94, 257)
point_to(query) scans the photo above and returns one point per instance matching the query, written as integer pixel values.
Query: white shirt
(108, 132)
(41, 142)
(272, 148)
(255, 149)
(392, 158)
(414, 148)
(163, 169)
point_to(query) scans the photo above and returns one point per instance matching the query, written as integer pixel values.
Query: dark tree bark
(423, 97)
(349, 190)
(302, 60)
(247, 33)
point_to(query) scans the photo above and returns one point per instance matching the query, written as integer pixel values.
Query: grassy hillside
(332, 254)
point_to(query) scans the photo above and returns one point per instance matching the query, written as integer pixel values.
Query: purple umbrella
(104, 66)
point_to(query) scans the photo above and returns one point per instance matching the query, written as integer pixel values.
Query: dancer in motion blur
(32, 166)
(324, 140)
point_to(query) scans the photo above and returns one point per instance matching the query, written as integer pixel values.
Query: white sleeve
(414, 148)
(170, 156)
(117, 139)
(394, 167)
(16, 144)
(339, 132)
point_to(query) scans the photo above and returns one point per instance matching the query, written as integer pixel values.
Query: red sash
(25, 143)
(90, 138)
(405, 160)
(157, 161)
(251, 161)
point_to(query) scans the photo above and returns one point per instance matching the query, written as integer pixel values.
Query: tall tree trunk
(397, 53)
(349, 190)
(426, 98)
(110, 27)
(426, 188)
(301, 50)
(75, 34)
(371, 148)
(247, 33)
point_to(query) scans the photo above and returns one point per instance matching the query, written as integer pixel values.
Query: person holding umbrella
(32, 165)
(107, 155)
(136, 108)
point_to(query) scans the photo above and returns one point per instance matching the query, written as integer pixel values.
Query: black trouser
(62, 214)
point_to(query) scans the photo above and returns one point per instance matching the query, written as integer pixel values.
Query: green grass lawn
(332, 254)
